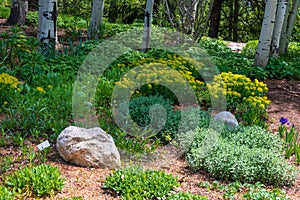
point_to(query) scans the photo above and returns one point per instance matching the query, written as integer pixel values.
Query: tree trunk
(47, 18)
(235, 20)
(263, 49)
(147, 25)
(215, 19)
(18, 12)
(95, 29)
(279, 20)
(290, 23)
(113, 11)
(283, 36)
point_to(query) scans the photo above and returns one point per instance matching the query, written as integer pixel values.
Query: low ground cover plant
(245, 191)
(137, 183)
(5, 194)
(249, 155)
(42, 180)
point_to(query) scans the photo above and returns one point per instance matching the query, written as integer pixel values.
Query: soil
(87, 182)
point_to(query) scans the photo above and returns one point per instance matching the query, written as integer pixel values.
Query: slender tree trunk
(147, 25)
(215, 19)
(263, 49)
(47, 18)
(113, 11)
(18, 12)
(283, 36)
(279, 21)
(235, 20)
(291, 22)
(95, 28)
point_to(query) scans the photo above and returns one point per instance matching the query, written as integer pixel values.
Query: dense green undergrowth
(36, 103)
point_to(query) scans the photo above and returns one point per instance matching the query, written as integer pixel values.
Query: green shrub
(185, 196)
(249, 49)
(140, 111)
(8, 86)
(5, 194)
(238, 158)
(254, 137)
(42, 110)
(241, 90)
(138, 183)
(42, 180)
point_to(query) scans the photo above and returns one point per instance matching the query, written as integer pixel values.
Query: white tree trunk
(291, 21)
(47, 18)
(147, 25)
(263, 49)
(96, 20)
(283, 36)
(279, 20)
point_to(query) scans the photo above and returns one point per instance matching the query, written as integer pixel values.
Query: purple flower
(284, 121)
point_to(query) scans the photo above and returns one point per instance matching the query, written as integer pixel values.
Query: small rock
(88, 147)
(227, 118)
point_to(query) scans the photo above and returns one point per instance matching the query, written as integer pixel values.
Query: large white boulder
(88, 147)
(226, 118)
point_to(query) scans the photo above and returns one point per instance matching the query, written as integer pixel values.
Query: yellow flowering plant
(8, 86)
(245, 97)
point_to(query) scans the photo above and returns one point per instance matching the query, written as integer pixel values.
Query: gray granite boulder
(88, 147)
(226, 118)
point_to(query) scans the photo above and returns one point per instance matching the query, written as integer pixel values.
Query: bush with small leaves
(5, 194)
(42, 180)
(144, 110)
(137, 183)
(239, 158)
(186, 196)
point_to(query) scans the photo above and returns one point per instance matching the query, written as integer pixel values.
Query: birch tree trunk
(147, 25)
(18, 12)
(263, 49)
(290, 23)
(47, 18)
(283, 36)
(95, 29)
(279, 21)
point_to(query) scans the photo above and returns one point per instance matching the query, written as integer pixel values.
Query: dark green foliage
(42, 180)
(138, 183)
(140, 111)
(284, 66)
(241, 157)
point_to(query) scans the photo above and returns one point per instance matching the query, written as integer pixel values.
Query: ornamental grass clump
(243, 155)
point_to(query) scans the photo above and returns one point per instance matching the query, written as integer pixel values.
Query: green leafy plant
(249, 49)
(5, 194)
(240, 89)
(137, 183)
(185, 196)
(42, 180)
(238, 157)
(290, 137)
(140, 111)
(246, 191)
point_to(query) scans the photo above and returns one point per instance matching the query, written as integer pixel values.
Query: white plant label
(43, 145)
